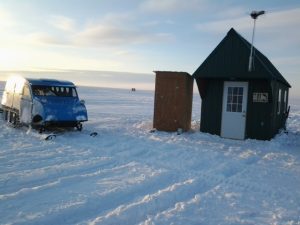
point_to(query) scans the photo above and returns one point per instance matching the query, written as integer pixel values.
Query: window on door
(26, 92)
(234, 99)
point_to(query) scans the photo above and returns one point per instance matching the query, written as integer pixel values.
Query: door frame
(243, 112)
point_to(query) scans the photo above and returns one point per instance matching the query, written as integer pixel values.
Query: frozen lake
(127, 175)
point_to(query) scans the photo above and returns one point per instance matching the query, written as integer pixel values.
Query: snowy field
(127, 175)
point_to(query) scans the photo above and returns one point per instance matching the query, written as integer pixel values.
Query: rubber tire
(79, 126)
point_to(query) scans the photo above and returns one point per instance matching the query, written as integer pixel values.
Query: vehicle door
(26, 105)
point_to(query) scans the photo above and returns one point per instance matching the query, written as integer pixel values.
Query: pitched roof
(230, 60)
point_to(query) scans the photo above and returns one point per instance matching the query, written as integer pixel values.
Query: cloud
(289, 19)
(221, 26)
(277, 30)
(173, 6)
(46, 38)
(6, 19)
(154, 23)
(232, 12)
(122, 53)
(108, 31)
(118, 18)
(282, 19)
(62, 23)
(116, 35)
(105, 34)
(287, 61)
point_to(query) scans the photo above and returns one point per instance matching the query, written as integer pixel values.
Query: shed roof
(230, 60)
(171, 72)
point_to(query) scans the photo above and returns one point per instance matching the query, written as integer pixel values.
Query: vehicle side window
(10, 85)
(54, 91)
(37, 91)
(26, 92)
(74, 94)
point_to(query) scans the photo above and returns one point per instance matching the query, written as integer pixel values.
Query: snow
(128, 175)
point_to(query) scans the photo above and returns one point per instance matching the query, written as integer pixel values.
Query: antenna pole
(254, 15)
(250, 66)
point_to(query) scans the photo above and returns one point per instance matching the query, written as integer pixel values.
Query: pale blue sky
(142, 35)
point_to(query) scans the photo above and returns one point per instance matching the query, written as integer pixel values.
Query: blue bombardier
(42, 103)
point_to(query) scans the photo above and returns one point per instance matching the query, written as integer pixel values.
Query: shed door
(234, 110)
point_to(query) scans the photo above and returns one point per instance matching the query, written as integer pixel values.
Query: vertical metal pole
(251, 51)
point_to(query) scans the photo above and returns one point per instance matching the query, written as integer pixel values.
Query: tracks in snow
(120, 178)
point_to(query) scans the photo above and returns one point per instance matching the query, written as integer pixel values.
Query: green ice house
(236, 103)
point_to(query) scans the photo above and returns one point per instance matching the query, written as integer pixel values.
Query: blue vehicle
(42, 103)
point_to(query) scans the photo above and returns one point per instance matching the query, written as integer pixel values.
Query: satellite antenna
(254, 15)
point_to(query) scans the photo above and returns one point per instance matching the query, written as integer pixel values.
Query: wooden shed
(173, 101)
(236, 103)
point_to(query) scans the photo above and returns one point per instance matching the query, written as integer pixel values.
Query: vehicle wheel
(79, 126)
(5, 115)
(42, 129)
(15, 119)
(11, 117)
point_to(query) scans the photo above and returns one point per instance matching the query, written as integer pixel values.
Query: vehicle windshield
(54, 91)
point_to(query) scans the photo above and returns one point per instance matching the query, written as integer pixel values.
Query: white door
(234, 110)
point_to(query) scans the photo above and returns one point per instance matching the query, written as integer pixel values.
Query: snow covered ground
(127, 175)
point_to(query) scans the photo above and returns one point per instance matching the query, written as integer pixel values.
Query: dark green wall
(278, 120)
(263, 121)
(211, 107)
(259, 114)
